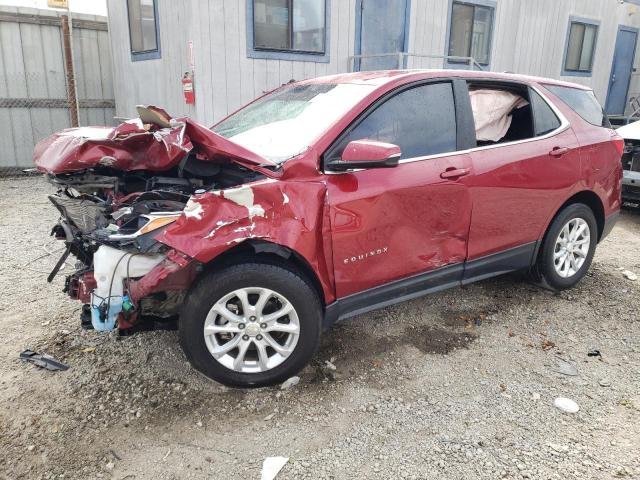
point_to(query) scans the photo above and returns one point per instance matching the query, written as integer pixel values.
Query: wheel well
(591, 200)
(271, 253)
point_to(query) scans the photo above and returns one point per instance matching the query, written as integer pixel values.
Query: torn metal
(145, 206)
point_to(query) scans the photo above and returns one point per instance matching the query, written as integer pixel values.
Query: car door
(516, 187)
(393, 223)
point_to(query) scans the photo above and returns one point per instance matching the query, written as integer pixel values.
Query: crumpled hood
(155, 142)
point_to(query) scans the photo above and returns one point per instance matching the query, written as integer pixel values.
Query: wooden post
(68, 62)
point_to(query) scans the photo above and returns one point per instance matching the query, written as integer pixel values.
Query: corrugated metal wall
(529, 37)
(33, 94)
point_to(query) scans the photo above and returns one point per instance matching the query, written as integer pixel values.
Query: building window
(143, 29)
(581, 46)
(470, 31)
(289, 25)
(288, 29)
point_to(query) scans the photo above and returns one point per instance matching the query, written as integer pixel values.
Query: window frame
(535, 116)
(587, 22)
(145, 54)
(466, 134)
(605, 118)
(492, 5)
(460, 94)
(291, 55)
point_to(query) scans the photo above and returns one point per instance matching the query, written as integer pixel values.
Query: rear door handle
(452, 172)
(558, 151)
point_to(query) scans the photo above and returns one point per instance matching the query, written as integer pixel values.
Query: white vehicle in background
(631, 162)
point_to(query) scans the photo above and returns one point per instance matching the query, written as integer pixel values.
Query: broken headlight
(143, 224)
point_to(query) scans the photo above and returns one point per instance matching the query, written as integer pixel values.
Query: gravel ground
(455, 385)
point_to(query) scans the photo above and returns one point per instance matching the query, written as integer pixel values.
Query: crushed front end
(112, 238)
(117, 190)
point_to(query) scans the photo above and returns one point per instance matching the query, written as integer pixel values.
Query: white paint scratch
(248, 228)
(193, 209)
(219, 225)
(243, 196)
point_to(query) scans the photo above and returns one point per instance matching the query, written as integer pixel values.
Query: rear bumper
(609, 222)
(631, 186)
(631, 193)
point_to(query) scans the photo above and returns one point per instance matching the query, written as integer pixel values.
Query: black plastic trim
(609, 222)
(394, 292)
(498, 263)
(466, 129)
(510, 260)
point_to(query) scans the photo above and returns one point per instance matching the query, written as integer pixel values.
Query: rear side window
(421, 121)
(544, 118)
(583, 102)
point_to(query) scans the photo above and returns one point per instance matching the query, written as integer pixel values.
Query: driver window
(420, 120)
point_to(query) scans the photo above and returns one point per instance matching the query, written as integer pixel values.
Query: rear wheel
(251, 324)
(568, 247)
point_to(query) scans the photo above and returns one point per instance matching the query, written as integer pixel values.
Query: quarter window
(289, 25)
(544, 118)
(470, 32)
(581, 46)
(421, 121)
(143, 29)
(583, 102)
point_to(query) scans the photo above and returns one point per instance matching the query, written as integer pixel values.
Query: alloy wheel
(571, 247)
(251, 330)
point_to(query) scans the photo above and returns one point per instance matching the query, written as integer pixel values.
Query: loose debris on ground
(461, 384)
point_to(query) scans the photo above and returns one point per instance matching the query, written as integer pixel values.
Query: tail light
(618, 142)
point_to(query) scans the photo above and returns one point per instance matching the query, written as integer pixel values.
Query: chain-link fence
(42, 90)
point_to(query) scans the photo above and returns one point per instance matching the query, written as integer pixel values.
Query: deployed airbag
(492, 112)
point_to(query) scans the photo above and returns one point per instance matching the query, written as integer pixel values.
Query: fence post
(68, 62)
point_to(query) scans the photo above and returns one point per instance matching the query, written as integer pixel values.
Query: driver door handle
(452, 172)
(558, 151)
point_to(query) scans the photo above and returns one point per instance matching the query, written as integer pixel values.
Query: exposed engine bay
(631, 162)
(110, 215)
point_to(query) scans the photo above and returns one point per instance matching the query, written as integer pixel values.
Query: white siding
(528, 37)
(225, 78)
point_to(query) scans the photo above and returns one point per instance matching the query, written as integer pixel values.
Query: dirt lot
(455, 385)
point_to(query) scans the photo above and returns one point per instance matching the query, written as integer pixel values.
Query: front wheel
(568, 247)
(251, 325)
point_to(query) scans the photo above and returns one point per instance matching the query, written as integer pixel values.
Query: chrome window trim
(564, 125)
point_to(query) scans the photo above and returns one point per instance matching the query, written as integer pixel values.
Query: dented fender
(287, 213)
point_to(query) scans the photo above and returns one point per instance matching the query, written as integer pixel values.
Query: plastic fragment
(272, 465)
(566, 405)
(629, 275)
(566, 368)
(292, 382)
(43, 360)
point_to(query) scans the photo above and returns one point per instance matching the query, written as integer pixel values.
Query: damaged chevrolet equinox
(325, 199)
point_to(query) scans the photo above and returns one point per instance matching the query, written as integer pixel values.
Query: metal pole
(72, 93)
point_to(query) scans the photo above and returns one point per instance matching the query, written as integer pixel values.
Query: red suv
(325, 199)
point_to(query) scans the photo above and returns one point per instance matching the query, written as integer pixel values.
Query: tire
(262, 364)
(549, 265)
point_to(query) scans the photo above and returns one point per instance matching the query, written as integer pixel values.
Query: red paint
(187, 89)
(175, 273)
(134, 146)
(363, 229)
(80, 288)
(369, 150)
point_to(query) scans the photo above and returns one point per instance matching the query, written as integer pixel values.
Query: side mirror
(366, 154)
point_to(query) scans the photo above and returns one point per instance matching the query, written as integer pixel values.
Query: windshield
(283, 124)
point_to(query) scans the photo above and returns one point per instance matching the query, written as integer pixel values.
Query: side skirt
(517, 258)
